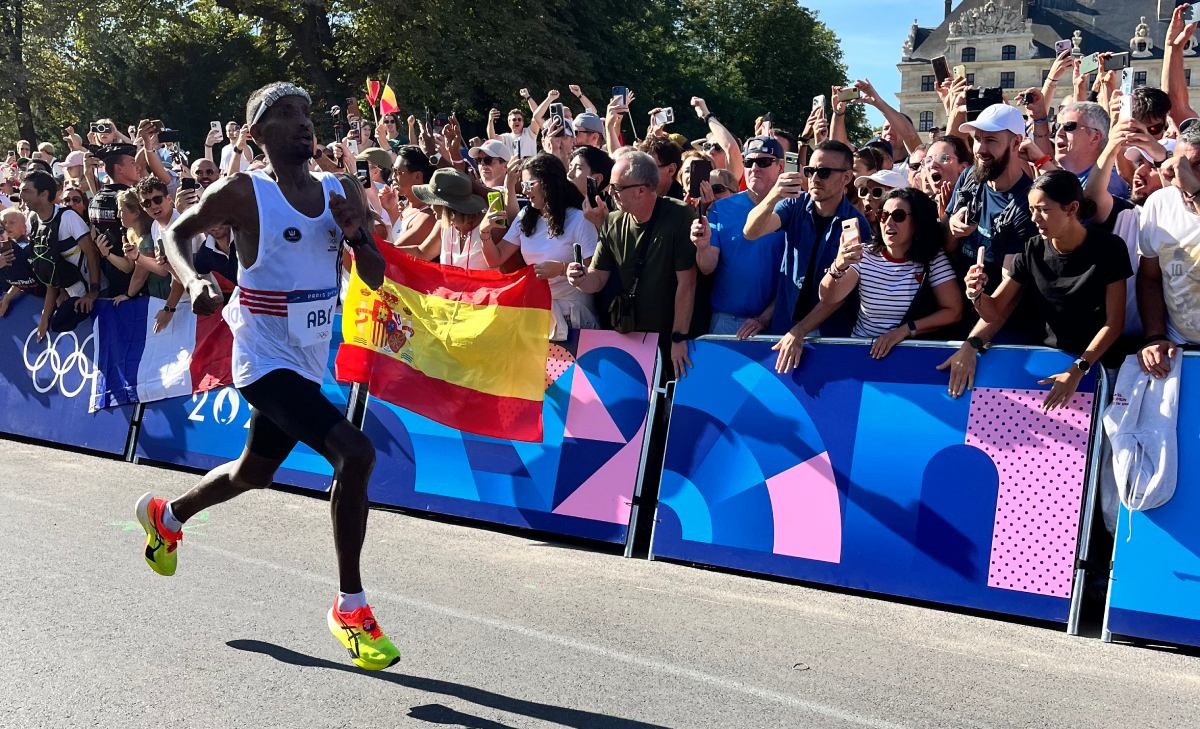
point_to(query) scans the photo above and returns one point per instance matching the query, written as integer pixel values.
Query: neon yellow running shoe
(369, 648)
(161, 543)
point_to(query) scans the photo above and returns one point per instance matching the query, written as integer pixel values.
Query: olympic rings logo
(48, 363)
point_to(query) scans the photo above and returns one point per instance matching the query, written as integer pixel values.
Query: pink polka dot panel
(1041, 459)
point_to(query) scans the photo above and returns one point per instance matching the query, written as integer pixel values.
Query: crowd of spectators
(1065, 218)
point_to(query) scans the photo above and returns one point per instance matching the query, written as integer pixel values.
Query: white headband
(276, 94)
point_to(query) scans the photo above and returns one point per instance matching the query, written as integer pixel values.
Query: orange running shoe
(161, 543)
(357, 630)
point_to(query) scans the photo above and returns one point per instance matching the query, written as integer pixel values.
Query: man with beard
(989, 208)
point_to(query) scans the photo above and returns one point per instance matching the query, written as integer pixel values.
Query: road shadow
(439, 714)
(546, 712)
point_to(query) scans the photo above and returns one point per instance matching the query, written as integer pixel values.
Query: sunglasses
(488, 160)
(762, 162)
(1066, 127)
(527, 185)
(875, 192)
(915, 166)
(897, 215)
(152, 201)
(822, 173)
(710, 147)
(1156, 129)
(618, 189)
(719, 189)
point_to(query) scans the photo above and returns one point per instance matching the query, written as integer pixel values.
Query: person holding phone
(906, 285)
(546, 233)
(743, 293)
(812, 223)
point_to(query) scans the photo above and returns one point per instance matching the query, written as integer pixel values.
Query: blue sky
(872, 32)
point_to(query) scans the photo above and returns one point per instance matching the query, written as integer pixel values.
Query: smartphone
(664, 117)
(362, 170)
(698, 172)
(850, 93)
(97, 128)
(168, 136)
(1089, 64)
(819, 103)
(516, 148)
(556, 112)
(355, 125)
(1187, 14)
(980, 99)
(215, 126)
(1117, 61)
(592, 190)
(1126, 94)
(623, 93)
(578, 251)
(352, 145)
(960, 71)
(791, 161)
(850, 235)
(1063, 45)
(189, 183)
(941, 69)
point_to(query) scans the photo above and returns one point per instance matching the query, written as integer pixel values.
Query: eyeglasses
(1066, 127)
(618, 189)
(941, 159)
(152, 201)
(762, 162)
(719, 189)
(822, 173)
(899, 216)
(488, 160)
(527, 185)
(875, 192)
(915, 166)
(711, 147)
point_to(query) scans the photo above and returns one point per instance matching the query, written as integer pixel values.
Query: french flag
(135, 364)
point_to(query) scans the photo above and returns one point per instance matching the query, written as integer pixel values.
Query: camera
(556, 112)
(189, 183)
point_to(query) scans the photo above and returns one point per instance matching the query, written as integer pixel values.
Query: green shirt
(669, 248)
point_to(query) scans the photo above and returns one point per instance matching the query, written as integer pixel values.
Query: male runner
(290, 224)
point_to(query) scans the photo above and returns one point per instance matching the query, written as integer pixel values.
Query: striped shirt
(886, 288)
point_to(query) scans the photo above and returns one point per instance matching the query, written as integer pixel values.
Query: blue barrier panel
(1155, 587)
(579, 481)
(47, 385)
(867, 474)
(209, 428)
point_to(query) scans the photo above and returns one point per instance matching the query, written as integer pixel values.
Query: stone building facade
(1010, 44)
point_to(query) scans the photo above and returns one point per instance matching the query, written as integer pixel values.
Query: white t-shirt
(455, 254)
(1171, 233)
(528, 142)
(540, 247)
(70, 227)
(886, 289)
(227, 156)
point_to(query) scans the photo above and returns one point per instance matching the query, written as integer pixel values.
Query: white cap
(491, 148)
(886, 178)
(1133, 153)
(74, 159)
(998, 118)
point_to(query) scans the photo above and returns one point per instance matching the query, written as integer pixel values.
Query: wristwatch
(912, 327)
(1083, 365)
(677, 337)
(978, 344)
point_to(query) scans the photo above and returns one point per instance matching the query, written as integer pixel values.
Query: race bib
(310, 316)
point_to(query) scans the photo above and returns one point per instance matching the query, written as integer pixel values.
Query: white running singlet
(281, 313)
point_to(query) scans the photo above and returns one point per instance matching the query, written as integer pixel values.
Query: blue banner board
(579, 481)
(209, 428)
(866, 474)
(1155, 588)
(48, 384)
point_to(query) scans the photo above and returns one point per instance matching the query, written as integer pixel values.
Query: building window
(1187, 77)
(1139, 78)
(1045, 75)
(926, 121)
(1008, 79)
(1008, 53)
(927, 83)
(968, 54)
(970, 79)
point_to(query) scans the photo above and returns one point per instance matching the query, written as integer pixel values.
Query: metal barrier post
(1090, 497)
(651, 411)
(135, 430)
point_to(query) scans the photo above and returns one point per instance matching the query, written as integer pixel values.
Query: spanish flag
(465, 348)
(387, 101)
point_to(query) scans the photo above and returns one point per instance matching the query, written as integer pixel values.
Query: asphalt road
(497, 630)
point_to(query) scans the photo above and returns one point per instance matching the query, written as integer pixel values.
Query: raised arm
(722, 136)
(902, 128)
(1174, 81)
(583, 99)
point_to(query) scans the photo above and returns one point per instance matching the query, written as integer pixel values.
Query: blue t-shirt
(1117, 187)
(1004, 225)
(744, 282)
(807, 252)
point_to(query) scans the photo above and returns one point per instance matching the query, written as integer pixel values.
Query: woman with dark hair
(547, 233)
(586, 163)
(905, 282)
(1075, 274)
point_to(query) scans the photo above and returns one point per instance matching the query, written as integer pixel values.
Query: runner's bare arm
(228, 200)
(352, 215)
